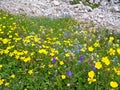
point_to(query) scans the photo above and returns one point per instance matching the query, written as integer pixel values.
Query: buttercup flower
(7, 84)
(0, 66)
(12, 76)
(1, 81)
(5, 41)
(63, 76)
(98, 65)
(91, 74)
(90, 49)
(113, 84)
(96, 44)
(112, 51)
(30, 72)
(118, 50)
(52, 54)
(106, 60)
(50, 65)
(111, 38)
(61, 63)
(67, 54)
(90, 80)
(117, 70)
(42, 51)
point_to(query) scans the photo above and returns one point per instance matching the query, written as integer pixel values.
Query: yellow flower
(42, 66)
(1, 81)
(90, 49)
(30, 72)
(96, 44)
(63, 76)
(25, 89)
(0, 66)
(36, 39)
(85, 32)
(117, 70)
(112, 51)
(50, 65)
(90, 80)
(32, 53)
(42, 51)
(27, 59)
(118, 50)
(67, 54)
(94, 31)
(91, 74)
(111, 38)
(16, 34)
(12, 76)
(98, 65)
(17, 56)
(25, 52)
(15, 51)
(113, 84)
(82, 50)
(7, 84)
(52, 54)
(6, 51)
(61, 63)
(106, 60)
(4, 26)
(10, 36)
(5, 41)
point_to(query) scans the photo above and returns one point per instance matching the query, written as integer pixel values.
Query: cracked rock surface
(104, 16)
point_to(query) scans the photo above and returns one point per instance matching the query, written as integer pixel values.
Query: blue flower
(82, 57)
(54, 60)
(94, 68)
(69, 73)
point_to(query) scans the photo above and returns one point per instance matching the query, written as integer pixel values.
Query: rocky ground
(105, 15)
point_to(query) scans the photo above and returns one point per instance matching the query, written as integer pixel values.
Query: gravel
(104, 16)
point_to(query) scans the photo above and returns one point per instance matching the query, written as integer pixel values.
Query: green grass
(56, 54)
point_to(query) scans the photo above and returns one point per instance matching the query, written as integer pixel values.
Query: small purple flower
(69, 73)
(54, 60)
(94, 68)
(82, 57)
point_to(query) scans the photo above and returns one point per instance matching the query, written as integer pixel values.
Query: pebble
(56, 3)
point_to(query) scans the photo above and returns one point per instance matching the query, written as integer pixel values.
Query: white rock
(85, 16)
(116, 8)
(56, 3)
(103, 3)
(99, 20)
(101, 16)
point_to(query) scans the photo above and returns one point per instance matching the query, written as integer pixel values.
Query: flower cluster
(61, 54)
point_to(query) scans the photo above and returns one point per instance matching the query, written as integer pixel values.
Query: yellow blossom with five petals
(113, 84)
(98, 65)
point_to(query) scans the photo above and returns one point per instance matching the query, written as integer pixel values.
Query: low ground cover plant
(85, 2)
(56, 54)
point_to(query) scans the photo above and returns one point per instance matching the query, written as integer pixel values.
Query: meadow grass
(40, 53)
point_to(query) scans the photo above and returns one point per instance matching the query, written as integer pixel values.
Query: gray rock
(107, 15)
(116, 8)
(85, 16)
(56, 3)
